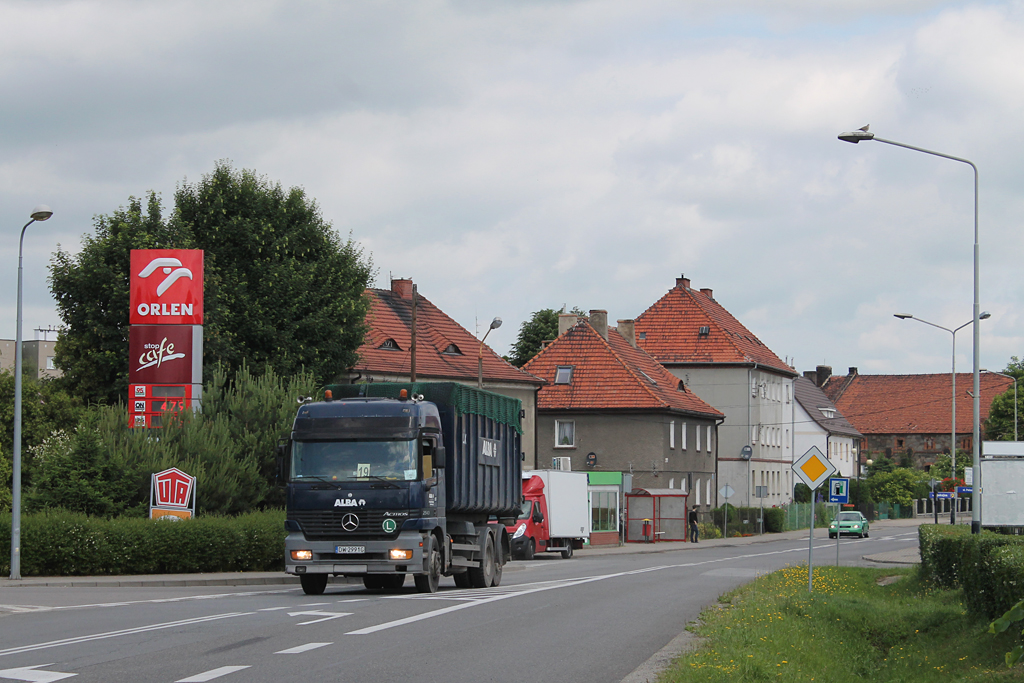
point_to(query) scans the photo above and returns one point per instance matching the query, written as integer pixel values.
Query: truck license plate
(350, 549)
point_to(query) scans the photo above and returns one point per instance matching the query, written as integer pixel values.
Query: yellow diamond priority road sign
(813, 468)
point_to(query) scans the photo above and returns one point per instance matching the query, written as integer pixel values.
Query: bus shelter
(654, 515)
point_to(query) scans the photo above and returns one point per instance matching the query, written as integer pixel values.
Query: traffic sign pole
(813, 468)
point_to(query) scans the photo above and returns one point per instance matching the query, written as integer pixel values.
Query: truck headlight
(520, 531)
(397, 554)
(302, 555)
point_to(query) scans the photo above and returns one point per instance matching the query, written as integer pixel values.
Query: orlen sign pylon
(165, 338)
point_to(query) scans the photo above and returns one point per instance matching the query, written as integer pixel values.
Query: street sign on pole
(969, 476)
(726, 492)
(813, 468)
(839, 490)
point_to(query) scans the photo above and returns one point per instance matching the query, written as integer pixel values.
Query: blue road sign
(964, 490)
(942, 494)
(839, 490)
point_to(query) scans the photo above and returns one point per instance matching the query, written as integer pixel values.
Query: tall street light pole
(952, 433)
(495, 324)
(863, 134)
(1014, 397)
(40, 213)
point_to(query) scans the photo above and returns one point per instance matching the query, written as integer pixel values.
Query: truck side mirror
(282, 452)
(538, 516)
(439, 458)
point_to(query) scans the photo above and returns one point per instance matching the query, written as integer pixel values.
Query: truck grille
(320, 525)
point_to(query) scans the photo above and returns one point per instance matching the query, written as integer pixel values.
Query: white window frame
(559, 369)
(708, 446)
(559, 423)
(671, 434)
(682, 440)
(698, 438)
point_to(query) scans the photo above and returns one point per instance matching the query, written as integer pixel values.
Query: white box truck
(555, 516)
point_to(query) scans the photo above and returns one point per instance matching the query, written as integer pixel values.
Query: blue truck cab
(382, 483)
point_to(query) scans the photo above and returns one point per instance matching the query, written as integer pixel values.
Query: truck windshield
(351, 460)
(527, 509)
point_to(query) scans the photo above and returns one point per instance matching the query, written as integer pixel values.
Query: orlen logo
(167, 286)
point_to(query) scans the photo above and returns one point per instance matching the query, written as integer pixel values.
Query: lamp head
(856, 136)
(902, 316)
(985, 315)
(41, 213)
(496, 323)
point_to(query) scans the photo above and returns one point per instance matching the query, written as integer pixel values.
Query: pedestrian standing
(692, 518)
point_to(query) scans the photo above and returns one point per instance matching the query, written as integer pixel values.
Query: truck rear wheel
(567, 553)
(462, 580)
(499, 566)
(313, 584)
(427, 583)
(482, 576)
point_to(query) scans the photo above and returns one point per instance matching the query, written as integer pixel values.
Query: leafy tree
(282, 290)
(999, 425)
(942, 468)
(541, 327)
(880, 464)
(898, 486)
(801, 493)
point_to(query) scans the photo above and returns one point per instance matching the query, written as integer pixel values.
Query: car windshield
(849, 516)
(349, 460)
(527, 509)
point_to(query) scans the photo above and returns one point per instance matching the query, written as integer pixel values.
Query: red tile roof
(913, 404)
(609, 374)
(390, 318)
(671, 329)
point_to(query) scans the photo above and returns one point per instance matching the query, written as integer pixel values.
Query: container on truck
(387, 480)
(555, 515)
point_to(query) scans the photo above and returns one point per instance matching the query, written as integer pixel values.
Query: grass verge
(849, 629)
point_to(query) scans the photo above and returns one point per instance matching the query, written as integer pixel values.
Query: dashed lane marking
(299, 649)
(211, 674)
(323, 616)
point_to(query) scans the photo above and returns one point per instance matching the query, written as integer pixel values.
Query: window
(604, 510)
(50, 365)
(682, 434)
(643, 335)
(828, 412)
(787, 393)
(697, 491)
(565, 434)
(672, 434)
(753, 433)
(899, 443)
(563, 374)
(390, 345)
(709, 439)
(452, 350)
(753, 387)
(698, 437)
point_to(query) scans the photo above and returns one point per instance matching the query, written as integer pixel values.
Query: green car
(852, 523)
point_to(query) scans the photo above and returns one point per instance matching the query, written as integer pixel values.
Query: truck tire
(530, 550)
(462, 580)
(313, 584)
(481, 577)
(427, 583)
(499, 566)
(567, 553)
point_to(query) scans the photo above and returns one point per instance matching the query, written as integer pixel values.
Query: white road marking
(488, 596)
(33, 674)
(354, 600)
(325, 616)
(316, 604)
(115, 634)
(243, 594)
(211, 674)
(302, 648)
(275, 609)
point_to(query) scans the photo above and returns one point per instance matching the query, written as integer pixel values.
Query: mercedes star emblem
(350, 522)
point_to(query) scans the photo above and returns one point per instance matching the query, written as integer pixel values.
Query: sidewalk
(905, 556)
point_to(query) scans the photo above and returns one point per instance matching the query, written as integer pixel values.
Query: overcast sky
(513, 156)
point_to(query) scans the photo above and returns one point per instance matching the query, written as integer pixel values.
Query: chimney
(599, 321)
(628, 331)
(706, 291)
(566, 321)
(811, 375)
(683, 281)
(823, 372)
(853, 371)
(402, 288)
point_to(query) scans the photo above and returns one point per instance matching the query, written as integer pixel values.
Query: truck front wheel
(531, 549)
(482, 576)
(313, 584)
(427, 583)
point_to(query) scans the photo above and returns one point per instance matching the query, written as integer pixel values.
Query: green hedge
(58, 543)
(989, 567)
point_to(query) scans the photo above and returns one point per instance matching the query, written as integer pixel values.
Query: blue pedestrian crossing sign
(839, 490)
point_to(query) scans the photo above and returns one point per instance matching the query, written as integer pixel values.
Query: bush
(944, 550)
(708, 531)
(59, 543)
(774, 520)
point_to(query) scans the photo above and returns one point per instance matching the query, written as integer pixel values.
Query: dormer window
(828, 412)
(643, 335)
(682, 387)
(563, 374)
(703, 331)
(390, 345)
(452, 350)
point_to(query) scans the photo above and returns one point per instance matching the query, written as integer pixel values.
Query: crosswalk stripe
(211, 674)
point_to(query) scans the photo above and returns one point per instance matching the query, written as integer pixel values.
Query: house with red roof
(911, 415)
(697, 340)
(609, 407)
(441, 350)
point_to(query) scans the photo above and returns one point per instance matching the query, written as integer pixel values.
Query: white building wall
(838, 449)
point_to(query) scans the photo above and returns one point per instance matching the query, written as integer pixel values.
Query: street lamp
(40, 213)
(495, 324)
(1014, 397)
(863, 134)
(952, 434)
